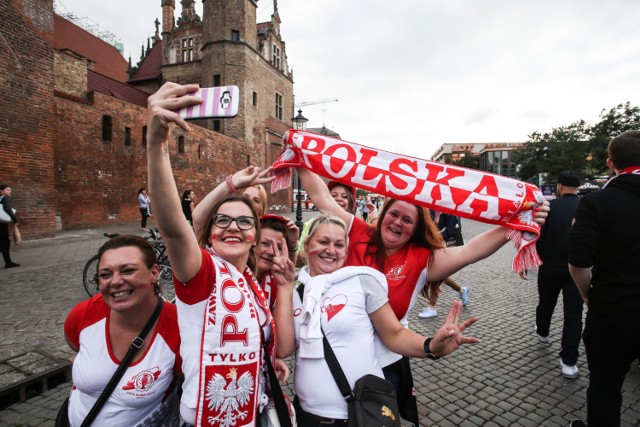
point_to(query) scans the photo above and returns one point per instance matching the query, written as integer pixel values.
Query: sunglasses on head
(243, 222)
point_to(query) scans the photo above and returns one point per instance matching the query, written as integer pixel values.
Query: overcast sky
(411, 75)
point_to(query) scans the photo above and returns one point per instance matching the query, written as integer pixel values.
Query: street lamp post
(300, 123)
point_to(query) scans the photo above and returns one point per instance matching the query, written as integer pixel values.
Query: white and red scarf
(633, 170)
(231, 355)
(463, 192)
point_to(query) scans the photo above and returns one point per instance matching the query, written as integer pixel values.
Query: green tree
(564, 148)
(618, 119)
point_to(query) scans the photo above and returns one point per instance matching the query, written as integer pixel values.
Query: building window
(255, 99)
(187, 49)
(144, 136)
(216, 80)
(216, 125)
(181, 144)
(275, 50)
(248, 160)
(107, 128)
(235, 35)
(127, 136)
(199, 152)
(278, 106)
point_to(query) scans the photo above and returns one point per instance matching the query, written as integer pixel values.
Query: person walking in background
(188, 199)
(5, 243)
(144, 204)
(604, 255)
(554, 276)
(451, 231)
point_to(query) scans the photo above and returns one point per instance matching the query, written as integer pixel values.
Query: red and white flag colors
(463, 192)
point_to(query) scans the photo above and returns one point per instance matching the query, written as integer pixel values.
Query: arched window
(144, 136)
(127, 136)
(181, 144)
(107, 128)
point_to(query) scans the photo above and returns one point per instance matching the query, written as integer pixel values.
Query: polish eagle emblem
(228, 399)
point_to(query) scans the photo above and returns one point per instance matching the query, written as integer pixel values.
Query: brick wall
(26, 112)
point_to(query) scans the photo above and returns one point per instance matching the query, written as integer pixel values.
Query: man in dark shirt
(554, 276)
(604, 260)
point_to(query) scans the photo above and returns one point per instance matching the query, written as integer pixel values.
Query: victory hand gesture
(449, 336)
(282, 269)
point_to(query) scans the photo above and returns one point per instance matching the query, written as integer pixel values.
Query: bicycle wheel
(90, 276)
(165, 280)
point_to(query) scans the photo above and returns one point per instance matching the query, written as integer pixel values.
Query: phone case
(220, 101)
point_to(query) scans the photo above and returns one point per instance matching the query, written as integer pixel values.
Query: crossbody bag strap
(136, 344)
(330, 357)
(276, 391)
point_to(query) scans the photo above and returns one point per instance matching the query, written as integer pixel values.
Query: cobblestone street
(508, 379)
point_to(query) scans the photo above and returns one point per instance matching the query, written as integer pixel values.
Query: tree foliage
(468, 160)
(577, 146)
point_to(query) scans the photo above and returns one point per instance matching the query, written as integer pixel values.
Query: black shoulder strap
(330, 357)
(276, 391)
(136, 344)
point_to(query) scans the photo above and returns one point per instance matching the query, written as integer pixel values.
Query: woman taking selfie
(222, 313)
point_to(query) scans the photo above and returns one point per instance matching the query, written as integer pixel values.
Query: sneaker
(569, 371)
(543, 340)
(427, 313)
(577, 423)
(464, 296)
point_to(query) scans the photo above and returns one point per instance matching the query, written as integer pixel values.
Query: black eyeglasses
(243, 222)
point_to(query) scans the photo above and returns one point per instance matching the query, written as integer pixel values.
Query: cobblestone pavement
(508, 379)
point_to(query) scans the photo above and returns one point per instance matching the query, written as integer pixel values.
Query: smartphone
(217, 102)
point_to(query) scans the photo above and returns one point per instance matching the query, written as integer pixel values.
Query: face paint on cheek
(215, 235)
(315, 251)
(144, 286)
(250, 239)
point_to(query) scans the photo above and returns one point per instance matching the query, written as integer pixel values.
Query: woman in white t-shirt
(101, 330)
(347, 304)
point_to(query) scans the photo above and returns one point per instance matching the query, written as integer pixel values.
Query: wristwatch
(428, 351)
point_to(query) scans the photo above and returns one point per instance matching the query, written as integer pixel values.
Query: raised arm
(182, 246)
(450, 260)
(283, 272)
(321, 196)
(408, 343)
(244, 178)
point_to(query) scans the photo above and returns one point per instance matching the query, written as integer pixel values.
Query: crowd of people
(242, 305)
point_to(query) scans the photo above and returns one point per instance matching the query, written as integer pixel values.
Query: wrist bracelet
(232, 188)
(426, 349)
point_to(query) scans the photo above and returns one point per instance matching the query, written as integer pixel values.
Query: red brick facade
(63, 174)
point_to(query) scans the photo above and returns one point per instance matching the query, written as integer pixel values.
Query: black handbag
(62, 419)
(372, 402)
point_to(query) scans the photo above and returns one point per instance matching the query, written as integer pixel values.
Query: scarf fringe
(527, 257)
(282, 180)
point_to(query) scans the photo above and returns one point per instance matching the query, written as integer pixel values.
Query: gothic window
(278, 106)
(107, 128)
(181, 144)
(235, 35)
(127, 136)
(144, 136)
(216, 80)
(275, 50)
(216, 125)
(255, 99)
(187, 49)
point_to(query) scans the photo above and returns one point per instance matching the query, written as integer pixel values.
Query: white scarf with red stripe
(468, 193)
(231, 364)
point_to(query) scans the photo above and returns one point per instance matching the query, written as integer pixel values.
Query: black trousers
(611, 345)
(551, 280)
(5, 243)
(399, 374)
(144, 214)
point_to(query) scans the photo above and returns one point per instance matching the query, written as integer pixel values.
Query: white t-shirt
(191, 301)
(144, 385)
(346, 306)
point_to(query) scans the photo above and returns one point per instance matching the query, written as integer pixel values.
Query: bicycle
(165, 278)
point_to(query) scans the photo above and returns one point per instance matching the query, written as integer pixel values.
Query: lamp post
(300, 123)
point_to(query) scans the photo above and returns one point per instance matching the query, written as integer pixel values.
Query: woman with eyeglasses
(226, 326)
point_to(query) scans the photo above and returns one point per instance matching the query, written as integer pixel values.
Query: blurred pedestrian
(188, 204)
(554, 276)
(5, 243)
(604, 250)
(144, 205)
